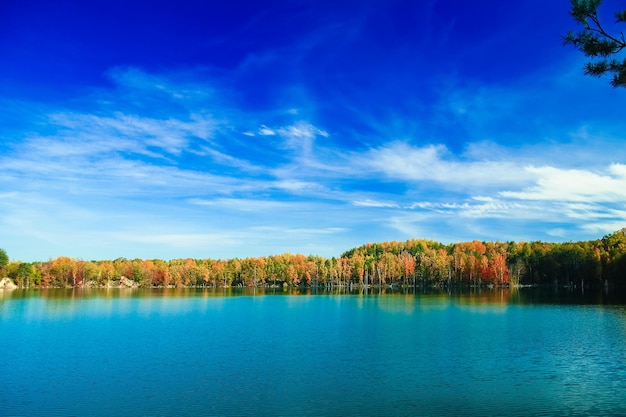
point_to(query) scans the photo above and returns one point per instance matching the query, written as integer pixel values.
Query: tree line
(412, 263)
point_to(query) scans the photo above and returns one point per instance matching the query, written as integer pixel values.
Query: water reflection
(275, 351)
(472, 296)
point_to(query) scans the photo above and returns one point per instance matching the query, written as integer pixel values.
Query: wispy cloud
(401, 161)
(373, 203)
(575, 185)
(162, 165)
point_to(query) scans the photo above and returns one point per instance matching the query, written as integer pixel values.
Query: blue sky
(242, 128)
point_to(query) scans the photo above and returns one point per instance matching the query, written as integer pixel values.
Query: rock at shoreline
(128, 283)
(7, 284)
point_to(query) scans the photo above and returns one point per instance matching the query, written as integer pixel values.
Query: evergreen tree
(4, 260)
(595, 42)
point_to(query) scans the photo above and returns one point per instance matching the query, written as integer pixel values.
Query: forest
(412, 263)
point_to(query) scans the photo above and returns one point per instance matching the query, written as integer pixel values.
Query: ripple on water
(310, 356)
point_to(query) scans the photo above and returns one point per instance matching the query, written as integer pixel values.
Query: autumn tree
(161, 275)
(345, 267)
(588, 264)
(205, 271)
(385, 268)
(184, 272)
(471, 260)
(322, 272)
(518, 257)
(217, 271)
(406, 262)
(148, 271)
(122, 268)
(333, 271)
(91, 274)
(358, 267)
(256, 271)
(107, 270)
(595, 42)
(369, 269)
(298, 272)
(497, 263)
(63, 272)
(439, 263)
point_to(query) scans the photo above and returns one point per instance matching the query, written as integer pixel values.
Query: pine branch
(595, 42)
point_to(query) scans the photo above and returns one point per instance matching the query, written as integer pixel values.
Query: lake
(228, 352)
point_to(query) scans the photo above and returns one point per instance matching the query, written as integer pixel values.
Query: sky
(233, 129)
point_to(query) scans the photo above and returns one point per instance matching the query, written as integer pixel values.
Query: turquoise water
(198, 353)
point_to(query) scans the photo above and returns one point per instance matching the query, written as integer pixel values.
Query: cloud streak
(575, 185)
(399, 160)
(193, 174)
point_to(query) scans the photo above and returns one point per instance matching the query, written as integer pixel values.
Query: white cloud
(123, 132)
(226, 159)
(184, 175)
(300, 137)
(302, 232)
(598, 228)
(558, 232)
(373, 203)
(401, 161)
(266, 131)
(297, 186)
(577, 185)
(618, 170)
(485, 208)
(249, 205)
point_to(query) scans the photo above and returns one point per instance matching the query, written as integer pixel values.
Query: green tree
(4, 260)
(595, 42)
(614, 256)
(24, 274)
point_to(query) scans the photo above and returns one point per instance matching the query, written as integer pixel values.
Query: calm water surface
(205, 353)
